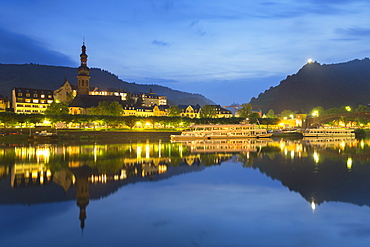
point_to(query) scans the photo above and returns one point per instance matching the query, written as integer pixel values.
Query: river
(252, 192)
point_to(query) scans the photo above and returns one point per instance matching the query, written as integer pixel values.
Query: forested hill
(333, 85)
(51, 77)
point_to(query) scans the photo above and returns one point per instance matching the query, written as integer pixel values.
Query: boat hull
(209, 137)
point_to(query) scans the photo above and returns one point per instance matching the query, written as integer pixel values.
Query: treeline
(9, 119)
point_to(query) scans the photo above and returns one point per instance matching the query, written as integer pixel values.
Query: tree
(317, 111)
(109, 108)
(208, 111)
(330, 111)
(271, 114)
(245, 110)
(287, 114)
(57, 109)
(254, 118)
(174, 111)
(362, 108)
(130, 121)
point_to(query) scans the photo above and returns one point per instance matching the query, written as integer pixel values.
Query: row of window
(35, 101)
(34, 95)
(33, 106)
(30, 111)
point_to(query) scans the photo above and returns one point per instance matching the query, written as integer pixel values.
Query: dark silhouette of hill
(333, 85)
(51, 77)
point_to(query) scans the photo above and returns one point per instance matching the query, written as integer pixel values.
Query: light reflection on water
(254, 192)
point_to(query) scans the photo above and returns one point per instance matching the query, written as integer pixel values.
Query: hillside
(315, 85)
(51, 77)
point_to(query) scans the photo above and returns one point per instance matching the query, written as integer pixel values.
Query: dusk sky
(229, 51)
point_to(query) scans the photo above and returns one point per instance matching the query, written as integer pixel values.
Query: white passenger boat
(221, 131)
(328, 132)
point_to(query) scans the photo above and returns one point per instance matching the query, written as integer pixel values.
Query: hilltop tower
(83, 78)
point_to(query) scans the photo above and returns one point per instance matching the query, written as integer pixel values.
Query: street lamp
(315, 113)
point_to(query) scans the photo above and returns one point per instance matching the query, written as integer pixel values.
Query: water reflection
(318, 169)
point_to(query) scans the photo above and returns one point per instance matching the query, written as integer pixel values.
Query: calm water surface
(215, 193)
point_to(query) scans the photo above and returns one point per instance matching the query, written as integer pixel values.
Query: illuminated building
(219, 112)
(191, 111)
(28, 100)
(83, 78)
(161, 110)
(3, 104)
(150, 99)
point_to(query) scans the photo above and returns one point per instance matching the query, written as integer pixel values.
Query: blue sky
(229, 51)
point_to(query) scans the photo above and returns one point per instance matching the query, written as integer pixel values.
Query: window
(49, 96)
(42, 95)
(28, 100)
(35, 101)
(35, 95)
(20, 94)
(28, 95)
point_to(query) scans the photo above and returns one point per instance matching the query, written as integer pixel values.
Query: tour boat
(328, 132)
(221, 131)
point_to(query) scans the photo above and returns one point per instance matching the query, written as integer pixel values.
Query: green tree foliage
(245, 110)
(130, 121)
(208, 111)
(57, 109)
(330, 111)
(8, 118)
(254, 118)
(362, 108)
(271, 114)
(318, 111)
(108, 108)
(287, 114)
(174, 111)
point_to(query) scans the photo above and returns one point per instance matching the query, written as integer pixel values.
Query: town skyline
(239, 48)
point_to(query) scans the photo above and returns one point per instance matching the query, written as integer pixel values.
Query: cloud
(18, 48)
(160, 43)
(358, 32)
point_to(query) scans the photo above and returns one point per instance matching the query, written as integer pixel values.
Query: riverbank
(92, 136)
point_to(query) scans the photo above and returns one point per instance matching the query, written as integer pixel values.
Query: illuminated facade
(161, 110)
(28, 100)
(190, 111)
(66, 92)
(219, 111)
(3, 104)
(150, 99)
(83, 78)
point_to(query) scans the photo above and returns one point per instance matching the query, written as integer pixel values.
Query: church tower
(83, 78)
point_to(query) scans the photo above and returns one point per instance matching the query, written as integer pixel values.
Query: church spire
(83, 73)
